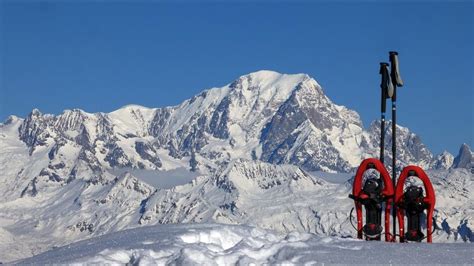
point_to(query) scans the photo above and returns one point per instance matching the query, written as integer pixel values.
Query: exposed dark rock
(147, 152)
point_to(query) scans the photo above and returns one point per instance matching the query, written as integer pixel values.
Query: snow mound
(222, 239)
(217, 244)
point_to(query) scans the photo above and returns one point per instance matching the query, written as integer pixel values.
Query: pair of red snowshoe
(374, 194)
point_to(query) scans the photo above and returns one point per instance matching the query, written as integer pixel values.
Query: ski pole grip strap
(385, 84)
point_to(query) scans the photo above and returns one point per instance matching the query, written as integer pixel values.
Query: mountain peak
(134, 106)
(265, 79)
(465, 158)
(35, 112)
(74, 111)
(465, 146)
(11, 119)
(445, 152)
(273, 75)
(131, 108)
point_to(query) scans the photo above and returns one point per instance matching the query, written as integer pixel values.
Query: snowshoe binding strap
(414, 206)
(372, 231)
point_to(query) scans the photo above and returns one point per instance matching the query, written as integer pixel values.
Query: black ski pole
(387, 92)
(396, 81)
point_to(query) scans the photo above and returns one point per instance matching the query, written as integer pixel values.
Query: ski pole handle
(396, 78)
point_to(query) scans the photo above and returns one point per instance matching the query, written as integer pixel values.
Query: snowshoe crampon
(412, 202)
(372, 194)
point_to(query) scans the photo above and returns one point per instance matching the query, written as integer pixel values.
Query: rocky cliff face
(465, 158)
(443, 161)
(410, 148)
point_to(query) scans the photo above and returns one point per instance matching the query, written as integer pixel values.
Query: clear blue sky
(101, 56)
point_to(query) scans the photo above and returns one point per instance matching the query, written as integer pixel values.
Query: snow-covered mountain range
(276, 118)
(256, 149)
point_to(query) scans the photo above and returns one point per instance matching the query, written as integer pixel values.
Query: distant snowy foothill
(268, 150)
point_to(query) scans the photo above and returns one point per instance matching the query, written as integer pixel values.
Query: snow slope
(216, 244)
(160, 179)
(281, 198)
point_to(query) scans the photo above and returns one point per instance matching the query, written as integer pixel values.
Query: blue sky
(99, 56)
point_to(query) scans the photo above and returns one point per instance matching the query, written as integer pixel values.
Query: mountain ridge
(256, 114)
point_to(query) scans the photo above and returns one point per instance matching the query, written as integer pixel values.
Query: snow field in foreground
(218, 244)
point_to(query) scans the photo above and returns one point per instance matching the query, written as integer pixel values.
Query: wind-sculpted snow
(216, 244)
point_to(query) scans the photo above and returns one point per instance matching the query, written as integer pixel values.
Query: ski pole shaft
(396, 81)
(382, 126)
(394, 156)
(382, 137)
(385, 80)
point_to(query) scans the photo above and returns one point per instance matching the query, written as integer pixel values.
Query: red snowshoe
(372, 194)
(412, 203)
